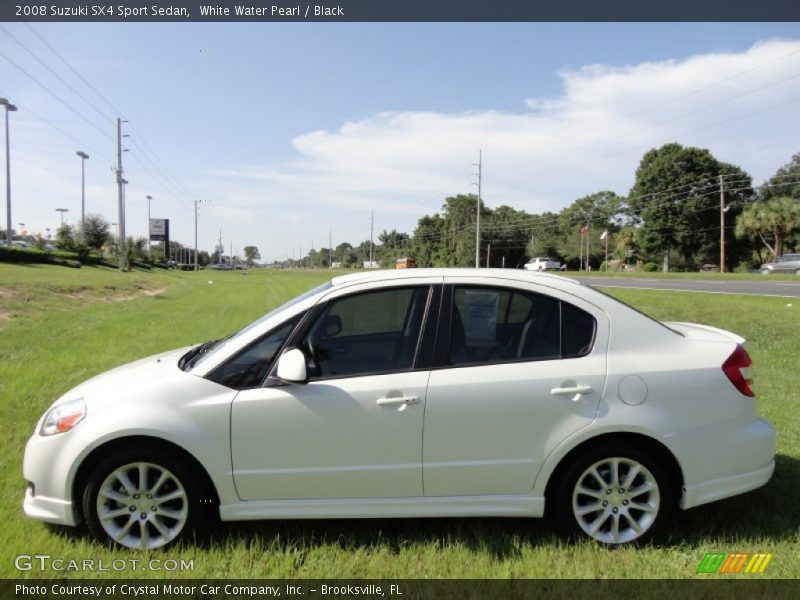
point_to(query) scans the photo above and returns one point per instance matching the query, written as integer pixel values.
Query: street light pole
(62, 211)
(83, 156)
(9, 108)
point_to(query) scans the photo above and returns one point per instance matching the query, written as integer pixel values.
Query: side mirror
(292, 366)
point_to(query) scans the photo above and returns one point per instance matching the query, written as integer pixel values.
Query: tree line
(672, 217)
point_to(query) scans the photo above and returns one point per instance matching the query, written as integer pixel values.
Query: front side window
(249, 368)
(493, 325)
(372, 332)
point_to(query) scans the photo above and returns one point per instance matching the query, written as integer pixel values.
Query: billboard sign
(159, 230)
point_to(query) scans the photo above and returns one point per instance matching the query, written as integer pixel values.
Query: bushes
(650, 267)
(23, 255)
(56, 257)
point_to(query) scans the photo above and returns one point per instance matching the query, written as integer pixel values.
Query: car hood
(145, 372)
(706, 333)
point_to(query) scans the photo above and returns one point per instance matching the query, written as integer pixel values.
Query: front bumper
(46, 466)
(50, 510)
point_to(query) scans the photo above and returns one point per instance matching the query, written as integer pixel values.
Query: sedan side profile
(412, 393)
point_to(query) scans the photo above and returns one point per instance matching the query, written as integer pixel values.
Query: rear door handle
(575, 391)
(394, 401)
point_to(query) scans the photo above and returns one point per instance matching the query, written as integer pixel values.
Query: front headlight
(63, 417)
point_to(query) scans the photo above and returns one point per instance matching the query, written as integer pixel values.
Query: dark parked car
(788, 263)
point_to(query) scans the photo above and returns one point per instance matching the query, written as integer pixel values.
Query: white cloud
(589, 138)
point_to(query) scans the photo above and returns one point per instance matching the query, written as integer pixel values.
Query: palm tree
(771, 221)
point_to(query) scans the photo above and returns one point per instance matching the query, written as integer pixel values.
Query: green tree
(95, 231)
(251, 255)
(676, 194)
(544, 236)
(598, 212)
(506, 229)
(427, 242)
(65, 238)
(393, 245)
(785, 182)
(771, 221)
(345, 254)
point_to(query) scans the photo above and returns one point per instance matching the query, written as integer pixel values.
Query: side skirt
(457, 506)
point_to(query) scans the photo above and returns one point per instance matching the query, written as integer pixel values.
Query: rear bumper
(709, 491)
(738, 462)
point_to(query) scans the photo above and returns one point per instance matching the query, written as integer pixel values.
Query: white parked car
(412, 393)
(542, 263)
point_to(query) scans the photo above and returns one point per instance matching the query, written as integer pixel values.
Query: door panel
(330, 439)
(353, 431)
(499, 396)
(488, 428)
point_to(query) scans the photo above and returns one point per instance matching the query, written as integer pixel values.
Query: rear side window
(493, 325)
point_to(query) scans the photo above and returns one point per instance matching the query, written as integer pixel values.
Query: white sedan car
(412, 393)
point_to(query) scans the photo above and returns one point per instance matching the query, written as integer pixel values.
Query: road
(782, 289)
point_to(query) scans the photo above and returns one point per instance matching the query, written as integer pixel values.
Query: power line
(74, 70)
(46, 89)
(61, 79)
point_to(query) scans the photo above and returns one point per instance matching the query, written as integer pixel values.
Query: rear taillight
(738, 368)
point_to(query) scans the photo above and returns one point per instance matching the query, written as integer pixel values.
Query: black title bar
(401, 11)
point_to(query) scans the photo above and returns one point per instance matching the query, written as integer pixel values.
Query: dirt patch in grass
(140, 291)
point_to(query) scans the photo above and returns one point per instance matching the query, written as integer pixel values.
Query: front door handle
(575, 391)
(394, 401)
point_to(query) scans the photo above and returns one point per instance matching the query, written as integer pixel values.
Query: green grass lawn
(59, 326)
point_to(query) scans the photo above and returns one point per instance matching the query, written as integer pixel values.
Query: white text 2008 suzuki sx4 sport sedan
(411, 393)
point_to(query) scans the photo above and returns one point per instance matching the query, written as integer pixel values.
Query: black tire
(639, 515)
(177, 506)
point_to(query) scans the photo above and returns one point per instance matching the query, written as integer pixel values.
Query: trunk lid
(706, 333)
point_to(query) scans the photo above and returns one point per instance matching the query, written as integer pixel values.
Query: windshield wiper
(188, 360)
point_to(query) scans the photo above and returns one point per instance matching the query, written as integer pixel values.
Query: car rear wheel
(141, 500)
(614, 495)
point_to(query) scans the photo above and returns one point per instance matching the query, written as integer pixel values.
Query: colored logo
(735, 563)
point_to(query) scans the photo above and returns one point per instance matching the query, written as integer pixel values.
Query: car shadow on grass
(769, 513)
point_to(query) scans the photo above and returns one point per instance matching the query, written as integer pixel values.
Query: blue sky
(288, 130)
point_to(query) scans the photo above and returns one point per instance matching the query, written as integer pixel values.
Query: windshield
(203, 351)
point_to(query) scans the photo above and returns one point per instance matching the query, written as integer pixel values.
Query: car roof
(409, 274)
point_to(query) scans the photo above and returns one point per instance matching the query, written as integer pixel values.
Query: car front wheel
(614, 495)
(141, 500)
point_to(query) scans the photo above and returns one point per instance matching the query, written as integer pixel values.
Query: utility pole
(196, 204)
(120, 201)
(478, 215)
(488, 252)
(9, 108)
(330, 249)
(149, 250)
(371, 228)
(722, 210)
(220, 248)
